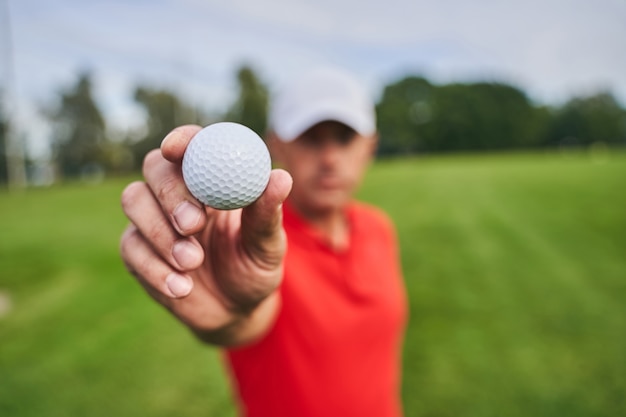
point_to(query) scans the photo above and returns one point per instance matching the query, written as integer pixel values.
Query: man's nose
(330, 152)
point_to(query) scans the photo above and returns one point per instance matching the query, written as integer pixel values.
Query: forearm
(245, 328)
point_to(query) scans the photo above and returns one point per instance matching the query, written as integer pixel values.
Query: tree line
(418, 116)
(414, 116)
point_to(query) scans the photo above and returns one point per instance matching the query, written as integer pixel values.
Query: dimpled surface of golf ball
(226, 166)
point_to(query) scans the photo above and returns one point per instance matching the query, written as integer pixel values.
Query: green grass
(515, 268)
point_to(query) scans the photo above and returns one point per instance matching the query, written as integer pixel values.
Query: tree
(479, 116)
(585, 120)
(251, 104)
(165, 111)
(404, 109)
(79, 129)
(415, 115)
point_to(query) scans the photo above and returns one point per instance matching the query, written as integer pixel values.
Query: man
(306, 297)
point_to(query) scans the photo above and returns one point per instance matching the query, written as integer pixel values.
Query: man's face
(327, 163)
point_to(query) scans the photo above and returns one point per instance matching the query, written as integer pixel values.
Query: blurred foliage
(478, 116)
(404, 109)
(414, 116)
(164, 111)
(3, 130)
(584, 120)
(79, 130)
(250, 107)
(417, 116)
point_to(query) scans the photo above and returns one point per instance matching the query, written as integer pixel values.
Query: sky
(551, 49)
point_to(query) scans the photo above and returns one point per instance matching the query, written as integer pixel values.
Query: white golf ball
(226, 166)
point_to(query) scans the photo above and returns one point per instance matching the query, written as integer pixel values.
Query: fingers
(261, 222)
(151, 271)
(162, 172)
(187, 215)
(140, 206)
(199, 306)
(174, 145)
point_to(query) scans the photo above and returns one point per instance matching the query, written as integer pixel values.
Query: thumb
(261, 222)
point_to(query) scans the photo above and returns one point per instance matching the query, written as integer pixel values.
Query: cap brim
(292, 129)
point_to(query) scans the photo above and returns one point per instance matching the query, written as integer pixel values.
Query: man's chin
(321, 201)
(330, 201)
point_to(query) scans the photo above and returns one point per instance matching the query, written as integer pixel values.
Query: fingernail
(179, 285)
(186, 216)
(187, 254)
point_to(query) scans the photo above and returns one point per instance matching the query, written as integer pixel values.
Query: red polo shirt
(335, 348)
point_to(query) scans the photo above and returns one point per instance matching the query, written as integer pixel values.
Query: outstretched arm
(216, 271)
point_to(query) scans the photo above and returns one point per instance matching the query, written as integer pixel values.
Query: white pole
(14, 148)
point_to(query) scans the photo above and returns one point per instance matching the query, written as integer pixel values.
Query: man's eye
(346, 136)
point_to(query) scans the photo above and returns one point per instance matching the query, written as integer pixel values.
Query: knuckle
(126, 241)
(158, 235)
(138, 263)
(168, 187)
(145, 265)
(151, 159)
(131, 193)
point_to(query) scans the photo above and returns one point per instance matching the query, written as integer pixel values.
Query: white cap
(320, 95)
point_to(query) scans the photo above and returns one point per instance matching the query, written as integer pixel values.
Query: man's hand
(216, 271)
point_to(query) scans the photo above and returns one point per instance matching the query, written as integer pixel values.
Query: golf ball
(226, 166)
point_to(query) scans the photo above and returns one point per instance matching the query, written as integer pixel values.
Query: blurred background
(502, 163)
